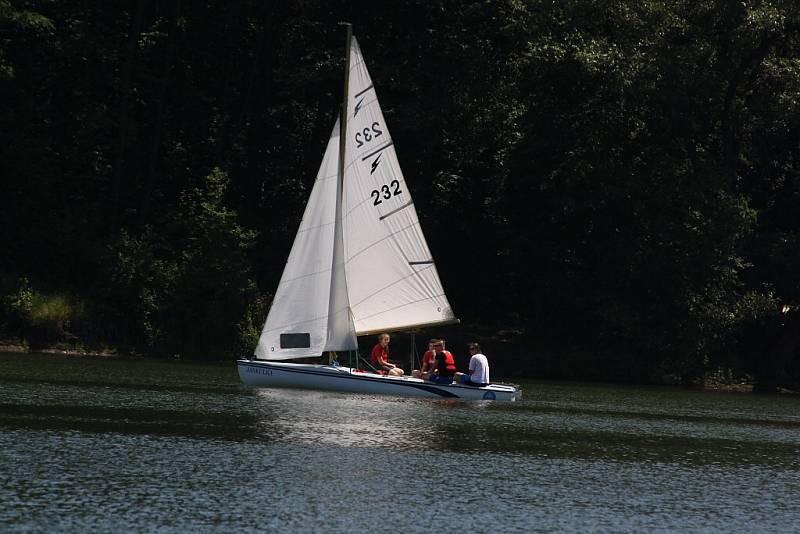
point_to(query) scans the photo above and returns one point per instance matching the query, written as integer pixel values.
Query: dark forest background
(611, 189)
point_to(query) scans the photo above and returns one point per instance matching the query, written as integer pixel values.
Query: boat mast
(345, 100)
(343, 141)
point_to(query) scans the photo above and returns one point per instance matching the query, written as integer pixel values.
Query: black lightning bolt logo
(375, 164)
(358, 107)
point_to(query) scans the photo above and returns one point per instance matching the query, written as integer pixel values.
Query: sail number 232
(386, 192)
(368, 134)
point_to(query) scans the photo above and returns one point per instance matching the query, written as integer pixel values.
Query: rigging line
(426, 262)
(352, 306)
(416, 352)
(364, 91)
(400, 306)
(384, 147)
(404, 206)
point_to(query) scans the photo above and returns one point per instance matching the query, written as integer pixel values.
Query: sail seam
(301, 230)
(359, 61)
(282, 282)
(281, 327)
(384, 288)
(415, 223)
(323, 178)
(400, 306)
(345, 215)
(364, 104)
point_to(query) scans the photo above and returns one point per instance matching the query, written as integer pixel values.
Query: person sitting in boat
(427, 362)
(444, 367)
(478, 374)
(379, 359)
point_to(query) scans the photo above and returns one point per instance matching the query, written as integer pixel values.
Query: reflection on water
(107, 445)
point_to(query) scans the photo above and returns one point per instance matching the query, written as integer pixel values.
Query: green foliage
(213, 288)
(248, 328)
(51, 316)
(14, 19)
(186, 288)
(140, 278)
(15, 305)
(18, 299)
(39, 317)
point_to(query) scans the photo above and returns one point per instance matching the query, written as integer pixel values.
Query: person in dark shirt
(444, 366)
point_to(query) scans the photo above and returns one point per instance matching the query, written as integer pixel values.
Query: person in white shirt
(478, 374)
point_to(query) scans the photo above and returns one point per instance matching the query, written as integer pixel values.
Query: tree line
(610, 188)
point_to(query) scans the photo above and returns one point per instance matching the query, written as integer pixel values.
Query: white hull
(324, 377)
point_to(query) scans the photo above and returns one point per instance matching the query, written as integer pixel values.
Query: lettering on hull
(258, 371)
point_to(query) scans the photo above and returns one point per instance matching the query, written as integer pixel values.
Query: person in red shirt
(379, 359)
(427, 362)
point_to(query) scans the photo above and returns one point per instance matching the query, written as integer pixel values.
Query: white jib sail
(392, 280)
(297, 325)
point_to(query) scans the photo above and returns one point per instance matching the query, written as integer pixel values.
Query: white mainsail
(359, 263)
(392, 281)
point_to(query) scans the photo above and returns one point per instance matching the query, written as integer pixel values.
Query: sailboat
(359, 265)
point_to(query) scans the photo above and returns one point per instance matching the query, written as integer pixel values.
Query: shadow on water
(155, 422)
(235, 389)
(117, 372)
(612, 446)
(126, 396)
(685, 418)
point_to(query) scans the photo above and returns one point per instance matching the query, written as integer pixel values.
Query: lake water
(112, 445)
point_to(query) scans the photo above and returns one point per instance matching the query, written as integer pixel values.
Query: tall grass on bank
(40, 317)
(53, 315)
